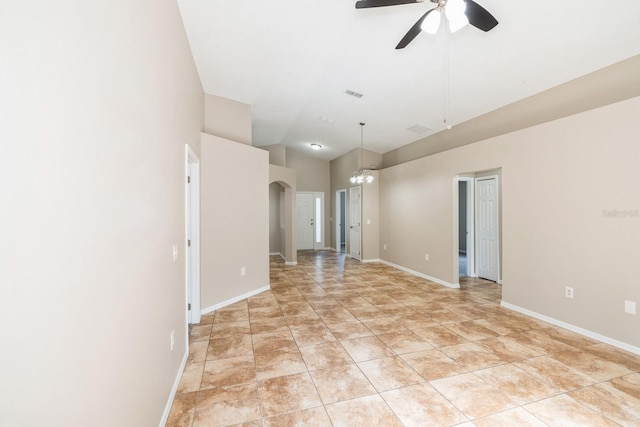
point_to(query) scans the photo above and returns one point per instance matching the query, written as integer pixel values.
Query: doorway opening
(477, 242)
(192, 235)
(341, 224)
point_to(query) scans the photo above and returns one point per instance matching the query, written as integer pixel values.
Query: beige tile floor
(339, 343)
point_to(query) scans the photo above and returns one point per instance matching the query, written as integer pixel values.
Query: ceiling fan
(458, 12)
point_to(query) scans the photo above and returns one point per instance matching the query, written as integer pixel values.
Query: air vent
(419, 129)
(353, 93)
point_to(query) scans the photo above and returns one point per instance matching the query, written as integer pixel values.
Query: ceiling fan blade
(479, 17)
(413, 31)
(363, 4)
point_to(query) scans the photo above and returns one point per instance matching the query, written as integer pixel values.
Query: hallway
(340, 343)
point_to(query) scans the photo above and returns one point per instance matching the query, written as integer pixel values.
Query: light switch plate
(568, 292)
(630, 307)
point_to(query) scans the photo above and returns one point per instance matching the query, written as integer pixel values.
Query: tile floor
(339, 343)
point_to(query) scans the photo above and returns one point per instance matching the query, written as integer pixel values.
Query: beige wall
(557, 179)
(370, 219)
(98, 101)
(227, 118)
(277, 154)
(341, 169)
(234, 220)
(606, 86)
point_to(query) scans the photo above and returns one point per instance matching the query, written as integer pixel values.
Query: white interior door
(355, 219)
(304, 210)
(341, 220)
(487, 227)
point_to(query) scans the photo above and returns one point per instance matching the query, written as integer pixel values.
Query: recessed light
(316, 146)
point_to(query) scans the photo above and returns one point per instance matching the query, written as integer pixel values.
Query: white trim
(291, 263)
(192, 232)
(235, 299)
(174, 389)
(573, 328)
(277, 254)
(370, 260)
(424, 276)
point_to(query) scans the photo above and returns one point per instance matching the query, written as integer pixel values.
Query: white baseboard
(424, 276)
(291, 263)
(370, 260)
(276, 254)
(573, 328)
(174, 389)
(234, 299)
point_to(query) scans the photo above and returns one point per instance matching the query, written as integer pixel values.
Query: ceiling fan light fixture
(456, 14)
(432, 22)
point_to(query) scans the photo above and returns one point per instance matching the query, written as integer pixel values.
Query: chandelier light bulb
(456, 15)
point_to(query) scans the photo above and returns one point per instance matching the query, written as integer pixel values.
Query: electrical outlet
(175, 252)
(426, 257)
(630, 307)
(243, 271)
(568, 292)
(384, 246)
(172, 339)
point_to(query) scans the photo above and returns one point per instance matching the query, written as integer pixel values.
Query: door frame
(192, 235)
(340, 209)
(471, 222)
(498, 227)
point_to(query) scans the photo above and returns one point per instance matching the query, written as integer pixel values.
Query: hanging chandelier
(360, 176)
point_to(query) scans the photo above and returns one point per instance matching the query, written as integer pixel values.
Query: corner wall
(234, 186)
(98, 101)
(561, 181)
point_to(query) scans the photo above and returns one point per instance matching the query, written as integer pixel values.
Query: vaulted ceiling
(294, 60)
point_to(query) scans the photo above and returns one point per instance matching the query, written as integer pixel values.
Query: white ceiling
(293, 60)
